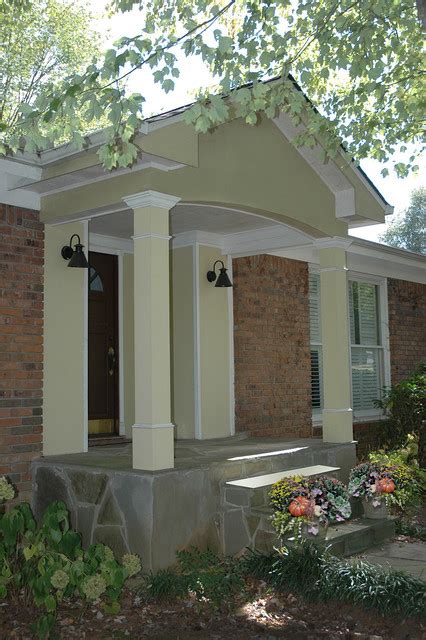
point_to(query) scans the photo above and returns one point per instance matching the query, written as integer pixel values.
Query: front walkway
(400, 556)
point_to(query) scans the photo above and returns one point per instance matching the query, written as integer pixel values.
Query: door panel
(103, 343)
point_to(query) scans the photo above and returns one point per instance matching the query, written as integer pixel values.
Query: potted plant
(331, 500)
(372, 483)
(304, 507)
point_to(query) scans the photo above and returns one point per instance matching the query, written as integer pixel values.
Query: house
(192, 385)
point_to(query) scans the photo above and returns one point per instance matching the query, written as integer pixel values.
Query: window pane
(316, 377)
(95, 280)
(365, 377)
(363, 313)
(368, 317)
(314, 307)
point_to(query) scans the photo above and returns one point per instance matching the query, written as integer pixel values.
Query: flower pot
(374, 512)
(313, 530)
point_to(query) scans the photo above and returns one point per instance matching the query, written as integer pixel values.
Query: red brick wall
(21, 343)
(407, 327)
(271, 341)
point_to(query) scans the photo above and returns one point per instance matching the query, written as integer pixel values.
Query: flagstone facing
(154, 514)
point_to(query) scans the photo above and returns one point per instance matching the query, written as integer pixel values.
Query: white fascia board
(367, 258)
(12, 175)
(189, 238)
(264, 240)
(331, 175)
(99, 242)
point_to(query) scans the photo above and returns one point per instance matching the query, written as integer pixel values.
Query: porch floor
(196, 454)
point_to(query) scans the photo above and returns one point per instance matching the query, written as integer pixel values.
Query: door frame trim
(99, 248)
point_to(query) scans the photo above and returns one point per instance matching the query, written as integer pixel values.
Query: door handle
(111, 361)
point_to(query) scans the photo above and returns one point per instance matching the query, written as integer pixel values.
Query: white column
(153, 432)
(337, 412)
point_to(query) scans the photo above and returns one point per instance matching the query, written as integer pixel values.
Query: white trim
(332, 175)
(151, 198)
(189, 238)
(333, 243)
(328, 269)
(121, 385)
(231, 349)
(102, 248)
(143, 425)
(151, 235)
(345, 410)
(197, 347)
(86, 348)
(110, 244)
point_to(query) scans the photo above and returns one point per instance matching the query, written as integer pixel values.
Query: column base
(337, 425)
(153, 447)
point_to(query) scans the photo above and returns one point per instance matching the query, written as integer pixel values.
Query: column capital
(151, 198)
(333, 243)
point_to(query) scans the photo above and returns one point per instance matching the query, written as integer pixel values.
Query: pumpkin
(386, 485)
(298, 506)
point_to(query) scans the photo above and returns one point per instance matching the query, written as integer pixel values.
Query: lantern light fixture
(75, 257)
(222, 280)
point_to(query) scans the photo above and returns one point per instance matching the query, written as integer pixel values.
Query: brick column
(21, 343)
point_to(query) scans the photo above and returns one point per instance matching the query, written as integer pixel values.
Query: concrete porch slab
(196, 454)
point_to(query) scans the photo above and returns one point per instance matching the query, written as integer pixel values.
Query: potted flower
(304, 507)
(372, 483)
(330, 498)
(290, 501)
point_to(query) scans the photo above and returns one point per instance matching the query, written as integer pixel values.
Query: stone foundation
(156, 514)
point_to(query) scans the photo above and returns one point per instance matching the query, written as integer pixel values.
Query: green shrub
(404, 528)
(203, 573)
(317, 575)
(46, 563)
(405, 405)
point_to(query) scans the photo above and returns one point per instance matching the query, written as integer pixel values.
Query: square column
(153, 432)
(337, 413)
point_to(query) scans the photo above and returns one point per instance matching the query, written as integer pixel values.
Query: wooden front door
(103, 344)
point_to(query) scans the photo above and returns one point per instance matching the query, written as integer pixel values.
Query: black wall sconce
(222, 279)
(75, 256)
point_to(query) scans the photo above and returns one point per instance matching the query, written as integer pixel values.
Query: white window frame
(383, 326)
(316, 412)
(382, 283)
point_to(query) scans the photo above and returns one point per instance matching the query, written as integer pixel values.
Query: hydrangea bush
(47, 563)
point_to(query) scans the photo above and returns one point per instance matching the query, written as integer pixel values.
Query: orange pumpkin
(299, 506)
(387, 485)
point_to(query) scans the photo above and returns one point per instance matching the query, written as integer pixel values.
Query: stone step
(345, 539)
(253, 491)
(269, 479)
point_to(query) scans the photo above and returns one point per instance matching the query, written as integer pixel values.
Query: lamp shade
(75, 257)
(223, 279)
(78, 259)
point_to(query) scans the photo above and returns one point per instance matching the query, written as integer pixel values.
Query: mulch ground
(260, 615)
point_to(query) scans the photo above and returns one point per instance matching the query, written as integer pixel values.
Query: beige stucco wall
(65, 298)
(214, 350)
(253, 168)
(128, 344)
(183, 390)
